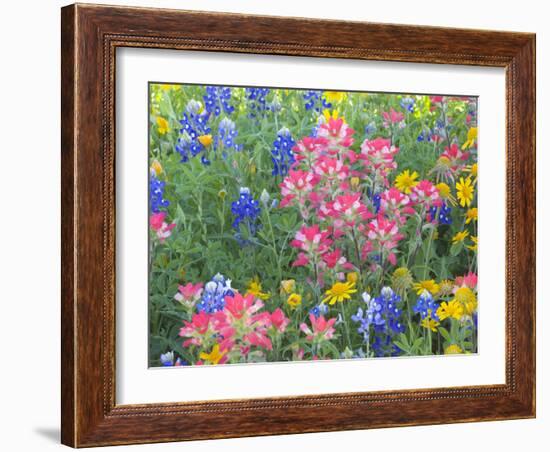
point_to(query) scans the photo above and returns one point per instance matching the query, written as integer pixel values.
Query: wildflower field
(291, 224)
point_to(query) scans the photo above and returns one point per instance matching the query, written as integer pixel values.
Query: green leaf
(445, 333)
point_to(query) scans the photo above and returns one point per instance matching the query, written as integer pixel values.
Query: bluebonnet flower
(225, 139)
(425, 135)
(196, 134)
(264, 197)
(256, 101)
(275, 105)
(426, 306)
(217, 100)
(246, 210)
(384, 316)
(281, 154)
(407, 103)
(214, 293)
(383, 346)
(156, 194)
(194, 126)
(167, 360)
(376, 199)
(318, 310)
(370, 128)
(315, 100)
(442, 214)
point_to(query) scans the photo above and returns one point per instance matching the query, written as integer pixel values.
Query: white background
(137, 384)
(29, 118)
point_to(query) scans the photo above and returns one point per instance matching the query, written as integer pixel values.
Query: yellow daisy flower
(429, 284)
(334, 96)
(162, 125)
(255, 288)
(430, 324)
(465, 191)
(471, 170)
(453, 349)
(451, 309)
(339, 291)
(471, 215)
(445, 193)
(214, 356)
(471, 138)
(459, 236)
(405, 181)
(294, 300)
(467, 298)
(473, 246)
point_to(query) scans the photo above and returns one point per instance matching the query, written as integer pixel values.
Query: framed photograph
(266, 231)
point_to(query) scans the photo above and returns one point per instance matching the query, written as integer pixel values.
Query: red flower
(279, 320)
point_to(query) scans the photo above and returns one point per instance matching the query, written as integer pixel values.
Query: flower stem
(346, 329)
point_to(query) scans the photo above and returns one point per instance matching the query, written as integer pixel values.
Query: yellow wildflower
(287, 286)
(465, 191)
(163, 125)
(255, 288)
(334, 96)
(214, 356)
(294, 300)
(355, 182)
(459, 236)
(339, 291)
(445, 192)
(352, 277)
(473, 246)
(472, 170)
(451, 309)
(445, 288)
(405, 181)
(401, 279)
(156, 167)
(430, 324)
(429, 284)
(467, 298)
(453, 349)
(471, 138)
(205, 140)
(334, 115)
(471, 215)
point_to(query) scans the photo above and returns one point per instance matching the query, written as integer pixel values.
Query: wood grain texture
(90, 36)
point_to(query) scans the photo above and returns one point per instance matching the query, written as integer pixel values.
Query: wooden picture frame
(90, 36)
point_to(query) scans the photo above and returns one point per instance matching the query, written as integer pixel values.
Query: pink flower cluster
(393, 117)
(241, 328)
(189, 294)
(321, 329)
(159, 225)
(333, 188)
(457, 158)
